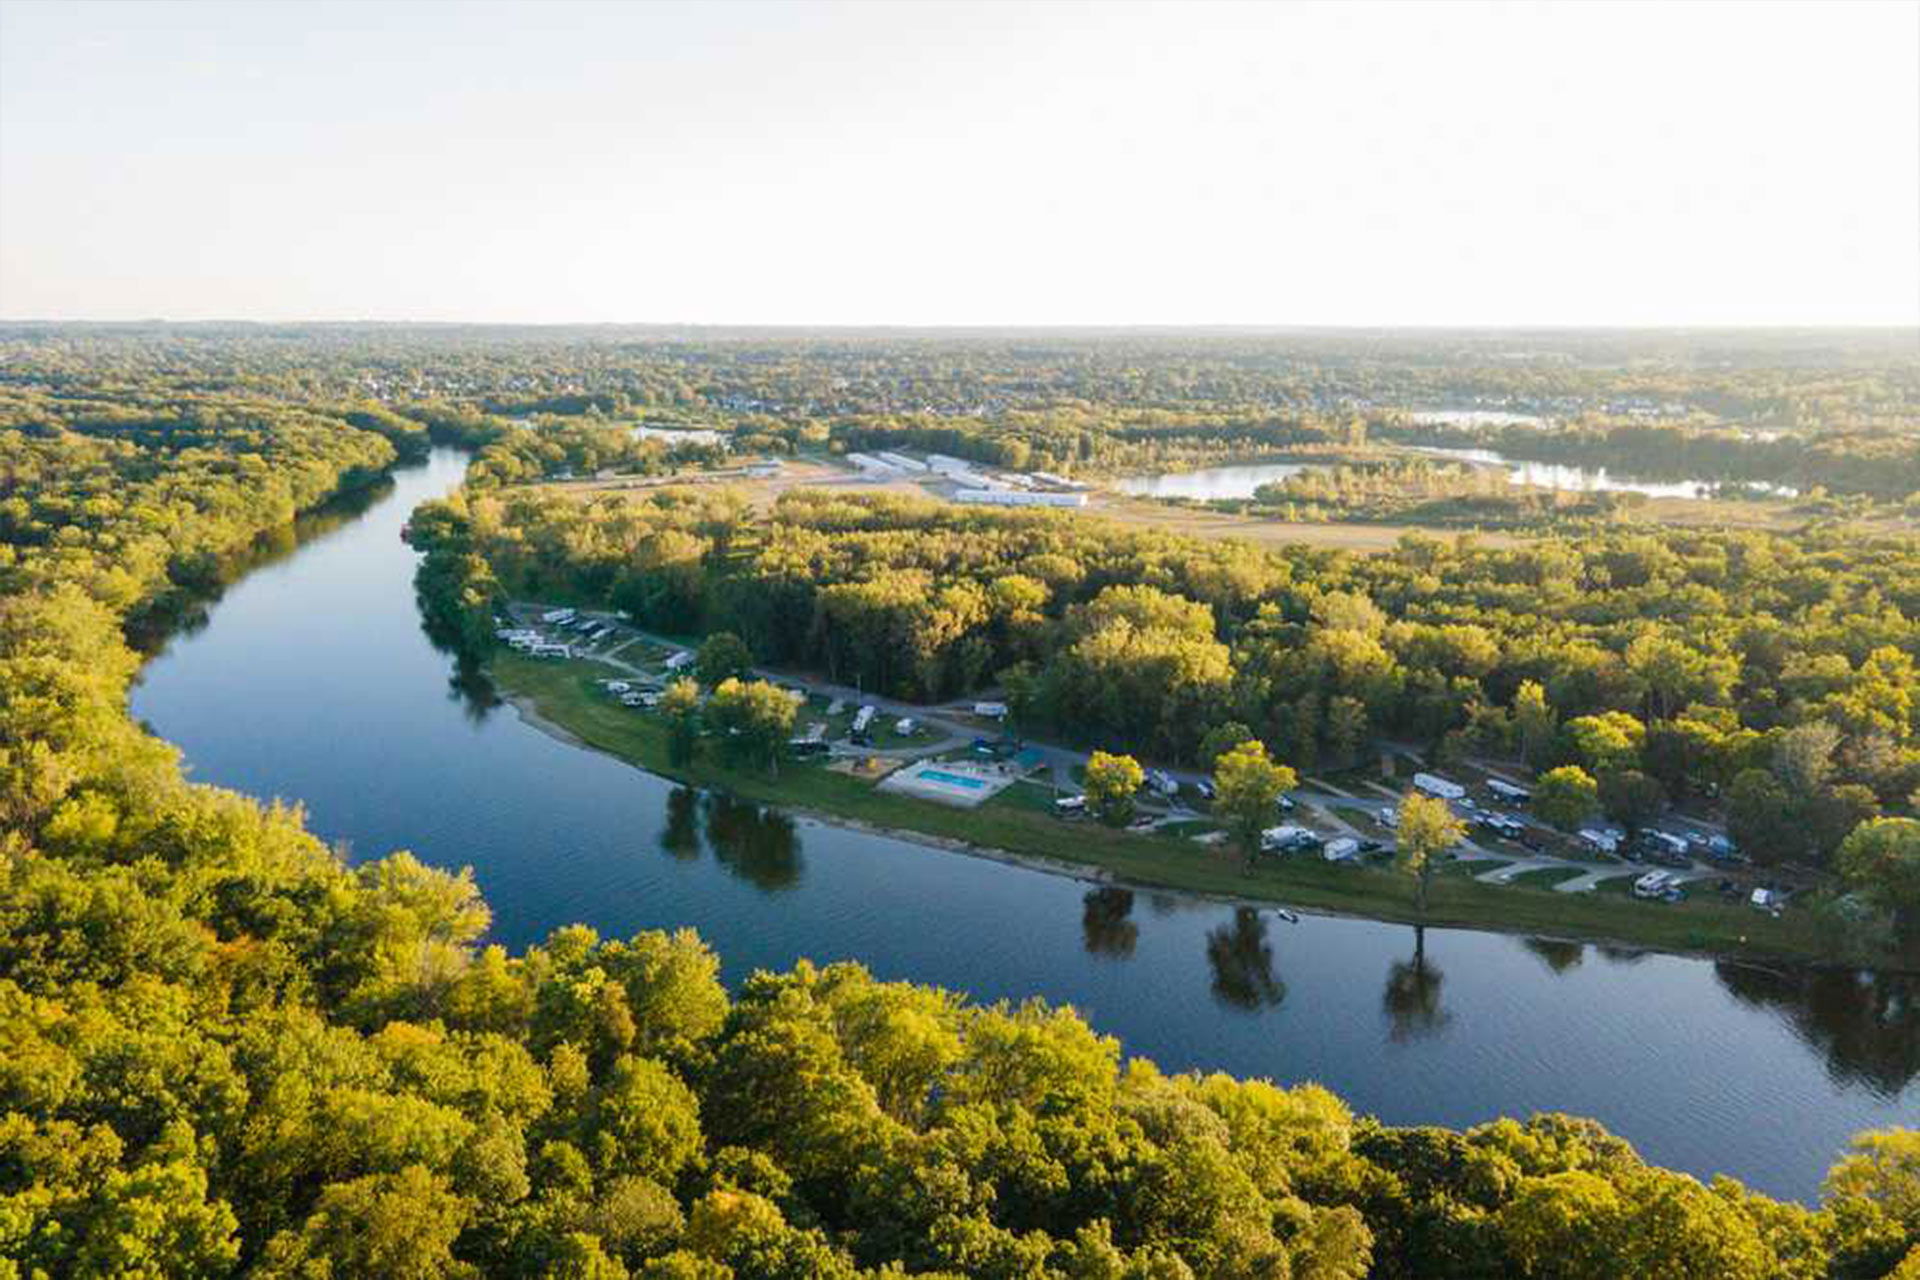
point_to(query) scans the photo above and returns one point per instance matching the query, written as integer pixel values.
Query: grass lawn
(565, 694)
(1467, 868)
(1544, 877)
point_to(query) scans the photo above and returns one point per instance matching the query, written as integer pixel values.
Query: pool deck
(963, 785)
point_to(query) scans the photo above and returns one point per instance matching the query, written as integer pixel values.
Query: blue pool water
(954, 779)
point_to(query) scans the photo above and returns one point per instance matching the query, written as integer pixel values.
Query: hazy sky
(921, 163)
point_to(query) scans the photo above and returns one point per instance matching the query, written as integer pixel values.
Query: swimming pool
(954, 779)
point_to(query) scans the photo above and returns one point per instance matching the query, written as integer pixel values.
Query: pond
(311, 679)
(1560, 475)
(1237, 481)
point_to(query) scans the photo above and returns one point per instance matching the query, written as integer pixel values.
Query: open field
(1142, 513)
(1017, 827)
(1197, 523)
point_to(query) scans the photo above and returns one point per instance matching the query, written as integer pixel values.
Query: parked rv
(1438, 787)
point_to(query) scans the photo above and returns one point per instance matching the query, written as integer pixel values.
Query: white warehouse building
(1017, 498)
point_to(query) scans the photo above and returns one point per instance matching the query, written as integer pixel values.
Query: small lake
(1577, 479)
(1242, 480)
(1238, 481)
(311, 679)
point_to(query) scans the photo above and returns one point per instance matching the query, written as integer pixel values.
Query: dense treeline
(139, 500)
(1699, 658)
(1845, 404)
(224, 1051)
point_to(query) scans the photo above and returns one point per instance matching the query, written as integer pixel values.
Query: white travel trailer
(1438, 787)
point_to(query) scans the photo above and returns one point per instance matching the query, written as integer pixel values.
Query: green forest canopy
(226, 1051)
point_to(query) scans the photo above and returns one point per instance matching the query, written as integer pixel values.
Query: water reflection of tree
(1104, 923)
(1865, 1024)
(1557, 954)
(470, 687)
(681, 836)
(760, 845)
(1412, 995)
(1243, 976)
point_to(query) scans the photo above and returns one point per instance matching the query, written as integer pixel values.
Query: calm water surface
(311, 680)
(1238, 481)
(1242, 480)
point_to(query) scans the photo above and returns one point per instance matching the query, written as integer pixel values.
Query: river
(311, 679)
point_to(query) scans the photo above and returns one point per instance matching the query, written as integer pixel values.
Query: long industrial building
(1017, 498)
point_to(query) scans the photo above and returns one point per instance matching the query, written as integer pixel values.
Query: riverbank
(562, 700)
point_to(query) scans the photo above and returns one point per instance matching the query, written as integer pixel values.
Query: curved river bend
(311, 679)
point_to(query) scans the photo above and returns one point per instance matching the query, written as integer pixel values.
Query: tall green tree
(1565, 796)
(680, 708)
(1427, 829)
(1247, 782)
(755, 719)
(1112, 781)
(722, 656)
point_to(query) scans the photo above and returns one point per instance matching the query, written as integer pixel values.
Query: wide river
(310, 679)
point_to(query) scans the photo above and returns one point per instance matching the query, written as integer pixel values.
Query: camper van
(1288, 839)
(1342, 849)
(1438, 787)
(1664, 846)
(1654, 884)
(1600, 841)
